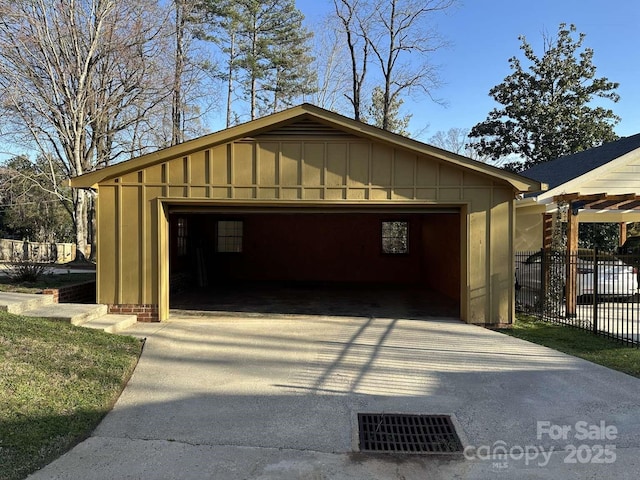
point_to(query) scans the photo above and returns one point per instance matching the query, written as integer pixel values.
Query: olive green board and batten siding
(344, 171)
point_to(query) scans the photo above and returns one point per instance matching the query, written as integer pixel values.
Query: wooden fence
(21, 251)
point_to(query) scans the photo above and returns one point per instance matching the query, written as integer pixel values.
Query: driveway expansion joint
(223, 445)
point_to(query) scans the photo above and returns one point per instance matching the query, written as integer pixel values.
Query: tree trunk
(80, 217)
(176, 136)
(232, 57)
(93, 230)
(389, 68)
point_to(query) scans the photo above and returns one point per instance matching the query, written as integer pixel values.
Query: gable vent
(306, 128)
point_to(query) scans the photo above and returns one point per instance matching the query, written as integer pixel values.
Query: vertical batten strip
(489, 259)
(143, 243)
(98, 262)
(438, 191)
(165, 183)
(370, 172)
(230, 170)
(392, 189)
(346, 187)
(118, 276)
(254, 169)
(300, 169)
(465, 247)
(279, 169)
(415, 177)
(302, 192)
(254, 165)
(162, 259)
(512, 270)
(187, 175)
(323, 172)
(207, 167)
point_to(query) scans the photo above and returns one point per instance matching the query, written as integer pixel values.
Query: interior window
(395, 237)
(182, 237)
(229, 236)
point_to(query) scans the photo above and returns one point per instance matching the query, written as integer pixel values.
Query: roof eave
(89, 180)
(255, 127)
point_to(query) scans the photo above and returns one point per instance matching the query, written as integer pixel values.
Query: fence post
(544, 273)
(595, 290)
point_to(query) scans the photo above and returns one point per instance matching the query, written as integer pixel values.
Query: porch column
(623, 233)
(570, 261)
(547, 230)
(547, 241)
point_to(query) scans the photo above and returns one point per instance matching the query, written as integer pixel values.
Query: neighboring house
(306, 195)
(600, 185)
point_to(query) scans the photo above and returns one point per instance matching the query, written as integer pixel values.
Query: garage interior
(353, 263)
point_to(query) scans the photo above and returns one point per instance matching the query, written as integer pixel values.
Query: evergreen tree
(547, 109)
(391, 115)
(289, 76)
(266, 49)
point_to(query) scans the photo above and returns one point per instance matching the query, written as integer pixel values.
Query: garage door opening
(356, 264)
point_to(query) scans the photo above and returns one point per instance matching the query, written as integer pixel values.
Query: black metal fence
(588, 289)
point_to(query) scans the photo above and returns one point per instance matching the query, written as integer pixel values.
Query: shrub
(26, 272)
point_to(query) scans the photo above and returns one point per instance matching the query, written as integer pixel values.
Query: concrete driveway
(277, 397)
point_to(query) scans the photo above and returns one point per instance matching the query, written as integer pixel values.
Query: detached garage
(306, 196)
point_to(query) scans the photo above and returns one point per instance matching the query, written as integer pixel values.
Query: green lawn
(579, 343)
(45, 281)
(57, 381)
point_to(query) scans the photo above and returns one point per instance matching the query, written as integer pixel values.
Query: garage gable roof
(304, 112)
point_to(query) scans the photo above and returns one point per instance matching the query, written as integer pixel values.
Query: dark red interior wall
(319, 247)
(334, 248)
(441, 255)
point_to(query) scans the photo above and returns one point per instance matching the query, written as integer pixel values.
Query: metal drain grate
(385, 432)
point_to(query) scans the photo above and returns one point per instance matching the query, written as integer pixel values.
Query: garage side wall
(296, 171)
(529, 228)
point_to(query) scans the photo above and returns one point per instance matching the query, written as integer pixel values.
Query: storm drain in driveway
(402, 433)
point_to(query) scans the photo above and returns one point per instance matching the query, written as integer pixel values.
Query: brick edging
(144, 312)
(76, 293)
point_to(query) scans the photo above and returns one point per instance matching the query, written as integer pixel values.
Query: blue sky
(484, 35)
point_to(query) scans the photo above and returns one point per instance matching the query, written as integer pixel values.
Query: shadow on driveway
(277, 398)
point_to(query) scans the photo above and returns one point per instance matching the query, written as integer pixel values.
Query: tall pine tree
(289, 76)
(266, 49)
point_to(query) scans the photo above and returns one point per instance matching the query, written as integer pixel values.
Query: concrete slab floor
(405, 301)
(276, 397)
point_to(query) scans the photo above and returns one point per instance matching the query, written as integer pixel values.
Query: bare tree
(33, 206)
(396, 37)
(401, 39)
(331, 65)
(181, 11)
(78, 77)
(457, 140)
(189, 99)
(220, 24)
(353, 18)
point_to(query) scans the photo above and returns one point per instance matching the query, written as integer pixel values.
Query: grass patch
(57, 381)
(579, 343)
(45, 281)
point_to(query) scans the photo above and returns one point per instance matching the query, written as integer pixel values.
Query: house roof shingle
(563, 169)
